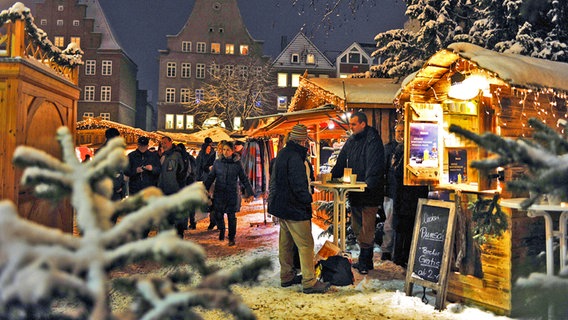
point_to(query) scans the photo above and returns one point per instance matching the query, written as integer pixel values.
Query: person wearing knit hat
(290, 199)
(299, 133)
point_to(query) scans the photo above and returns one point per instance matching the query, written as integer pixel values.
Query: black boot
(361, 265)
(221, 234)
(369, 261)
(232, 222)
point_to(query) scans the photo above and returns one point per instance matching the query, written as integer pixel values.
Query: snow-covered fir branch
(40, 266)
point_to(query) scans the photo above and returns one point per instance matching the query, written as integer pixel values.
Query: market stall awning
(90, 131)
(317, 119)
(352, 93)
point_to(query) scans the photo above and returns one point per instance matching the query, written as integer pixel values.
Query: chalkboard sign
(432, 242)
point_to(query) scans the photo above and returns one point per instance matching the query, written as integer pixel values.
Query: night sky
(141, 26)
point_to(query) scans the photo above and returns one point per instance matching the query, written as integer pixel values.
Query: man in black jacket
(290, 199)
(363, 152)
(143, 167)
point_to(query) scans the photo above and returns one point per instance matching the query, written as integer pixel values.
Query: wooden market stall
(482, 91)
(38, 94)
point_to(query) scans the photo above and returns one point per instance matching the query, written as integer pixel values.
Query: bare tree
(243, 90)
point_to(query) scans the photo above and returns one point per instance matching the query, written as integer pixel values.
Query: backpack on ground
(336, 270)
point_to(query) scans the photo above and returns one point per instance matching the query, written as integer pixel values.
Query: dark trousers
(232, 222)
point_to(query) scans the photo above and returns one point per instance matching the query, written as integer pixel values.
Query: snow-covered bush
(40, 266)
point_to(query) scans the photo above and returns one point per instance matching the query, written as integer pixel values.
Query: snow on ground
(379, 295)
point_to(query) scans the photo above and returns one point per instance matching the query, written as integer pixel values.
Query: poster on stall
(457, 165)
(423, 145)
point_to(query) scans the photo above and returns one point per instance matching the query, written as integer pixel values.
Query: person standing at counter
(387, 246)
(405, 199)
(364, 153)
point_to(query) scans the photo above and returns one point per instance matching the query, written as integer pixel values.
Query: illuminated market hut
(482, 91)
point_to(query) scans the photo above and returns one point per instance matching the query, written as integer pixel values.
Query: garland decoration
(488, 218)
(70, 57)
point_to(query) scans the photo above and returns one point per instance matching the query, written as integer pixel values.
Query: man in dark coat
(204, 164)
(290, 200)
(143, 167)
(226, 173)
(172, 166)
(363, 152)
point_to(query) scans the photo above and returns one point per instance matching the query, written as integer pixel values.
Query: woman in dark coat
(226, 173)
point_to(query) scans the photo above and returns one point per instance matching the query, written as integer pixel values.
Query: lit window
(295, 58)
(282, 80)
(59, 22)
(59, 41)
(184, 95)
(295, 80)
(229, 48)
(88, 114)
(186, 46)
(90, 67)
(199, 95)
(77, 41)
(179, 121)
(310, 58)
(214, 70)
(282, 102)
(186, 70)
(106, 68)
(170, 95)
(105, 116)
(169, 121)
(189, 120)
(201, 47)
(89, 94)
(216, 48)
(43, 22)
(244, 49)
(59, 8)
(105, 93)
(76, 23)
(229, 69)
(171, 69)
(200, 71)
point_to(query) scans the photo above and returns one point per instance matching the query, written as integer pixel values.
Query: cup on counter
(353, 178)
(325, 177)
(347, 175)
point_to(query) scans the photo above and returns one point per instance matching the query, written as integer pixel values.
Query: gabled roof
(302, 45)
(345, 93)
(365, 48)
(95, 11)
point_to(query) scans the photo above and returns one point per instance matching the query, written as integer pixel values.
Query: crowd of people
(290, 193)
(170, 168)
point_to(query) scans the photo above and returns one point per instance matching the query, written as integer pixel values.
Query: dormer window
(211, 30)
(310, 58)
(295, 58)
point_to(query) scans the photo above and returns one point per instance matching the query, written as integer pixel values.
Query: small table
(340, 191)
(542, 210)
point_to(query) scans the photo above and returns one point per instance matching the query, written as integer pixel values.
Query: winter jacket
(226, 173)
(290, 197)
(172, 165)
(364, 153)
(203, 162)
(391, 162)
(139, 181)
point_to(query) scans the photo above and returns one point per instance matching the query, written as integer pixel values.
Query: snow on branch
(41, 267)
